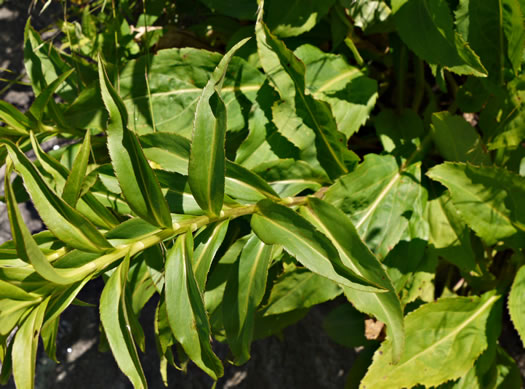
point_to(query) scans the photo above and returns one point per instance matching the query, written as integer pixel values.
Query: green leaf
(185, 308)
(299, 288)
(329, 78)
(356, 256)
(244, 292)
(25, 345)
(444, 339)
(176, 80)
(300, 107)
(378, 197)
(289, 177)
(449, 234)
(88, 205)
(44, 99)
(277, 224)
(65, 223)
(241, 9)
(17, 123)
(136, 178)
(295, 17)
(115, 318)
(74, 181)
(26, 246)
(488, 198)
(467, 145)
(426, 27)
(207, 243)
(494, 29)
(370, 15)
(207, 158)
(516, 304)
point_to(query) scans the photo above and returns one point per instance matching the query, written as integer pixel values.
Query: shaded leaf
(185, 307)
(136, 178)
(516, 304)
(77, 174)
(243, 293)
(115, 318)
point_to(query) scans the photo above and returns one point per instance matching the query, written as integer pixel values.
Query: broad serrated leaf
(207, 243)
(444, 338)
(115, 318)
(63, 221)
(25, 346)
(243, 293)
(277, 224)
(349, 92)
(467, 145)
(426, 27)
(299, 289)
(489, 199)
(301, 108)
(355, 255)
(136, 178)
(185, 307)
(207, 157)
(516, 303)
(296, 16)
(176, 78)
(378, 197)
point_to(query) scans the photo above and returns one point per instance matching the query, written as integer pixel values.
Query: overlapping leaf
(454, 328)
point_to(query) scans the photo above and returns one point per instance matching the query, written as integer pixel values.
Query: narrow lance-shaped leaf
(355, 254)
(63, 221)
(287, 73)
(185, 308)
(136, 178)
(516, 303)
(207, 158)
(114, 315)
(25, 345)
(43, 99)
(88, 205)
(26, 246)
(207, 242)
(17, 123)
(277, 224)
(444, 338)
(76, 176)
(244, 292)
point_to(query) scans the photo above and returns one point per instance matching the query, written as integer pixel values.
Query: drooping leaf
(17, 123)
(185, 307)
(25, 346)
(488, 198)
(378, 196)
(115, 317)
(426, 27)
(444, 338)
(243, 293)
(136, 178)
(301, 108)
(356, 256)
(515, 303)
(277, 224)
(65, 223)
(207, 157)
(299, 289)
(207, 242)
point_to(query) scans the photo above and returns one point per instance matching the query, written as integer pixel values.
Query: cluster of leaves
(381, 159)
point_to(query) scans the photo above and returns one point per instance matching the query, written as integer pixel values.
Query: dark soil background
(304, 358)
